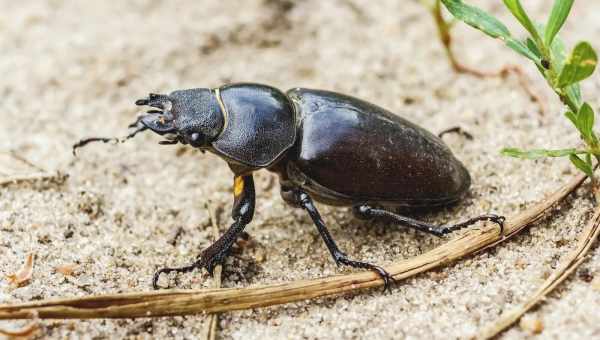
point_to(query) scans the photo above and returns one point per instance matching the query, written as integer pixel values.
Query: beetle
(324, 146)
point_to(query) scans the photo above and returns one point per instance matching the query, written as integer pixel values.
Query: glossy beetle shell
(260, 124)
(349, 151)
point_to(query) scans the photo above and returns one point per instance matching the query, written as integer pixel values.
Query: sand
(71, 69)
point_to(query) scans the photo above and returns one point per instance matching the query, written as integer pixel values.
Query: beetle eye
(195, 137)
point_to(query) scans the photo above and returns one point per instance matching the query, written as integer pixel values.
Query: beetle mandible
(324, 146)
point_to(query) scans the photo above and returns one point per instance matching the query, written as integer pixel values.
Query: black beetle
(323, 145)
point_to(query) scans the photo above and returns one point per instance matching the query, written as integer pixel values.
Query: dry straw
(586, 239)
(184, 302)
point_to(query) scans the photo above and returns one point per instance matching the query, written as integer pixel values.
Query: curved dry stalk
(26, 331)
(444, 27)
(184, 302)
(587, 238)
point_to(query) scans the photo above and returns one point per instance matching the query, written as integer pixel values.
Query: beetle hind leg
(303, 200)
(365, 211)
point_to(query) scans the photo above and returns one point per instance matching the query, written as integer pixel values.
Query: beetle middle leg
(242, 213)
(458, 130)
(366, 211)
(303, 200)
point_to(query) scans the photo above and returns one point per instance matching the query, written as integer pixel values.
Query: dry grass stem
(502, 73)
(25, 161)
(33, 173)
(444, 28)
(184, 302)
(26, 331)
(56, 177)
(586, 239)
(210, 331)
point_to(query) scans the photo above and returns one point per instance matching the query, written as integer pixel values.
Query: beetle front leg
(137, 126)
(303, 200)
(366, 212)
(242, 213)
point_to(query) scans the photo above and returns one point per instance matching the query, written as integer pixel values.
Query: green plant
(444, 27)
(563, 73)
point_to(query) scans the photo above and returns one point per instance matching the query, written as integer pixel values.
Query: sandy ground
(72, 69)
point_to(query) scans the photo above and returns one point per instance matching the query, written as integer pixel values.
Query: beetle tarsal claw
(166, 270)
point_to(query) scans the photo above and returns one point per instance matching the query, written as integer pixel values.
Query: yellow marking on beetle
(238, 186)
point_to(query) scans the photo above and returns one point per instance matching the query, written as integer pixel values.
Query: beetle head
(186, 116)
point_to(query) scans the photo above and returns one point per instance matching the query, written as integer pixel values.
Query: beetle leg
(458, 130)
(304, 201)
(242, 213)
(366, 211)
(139, 127)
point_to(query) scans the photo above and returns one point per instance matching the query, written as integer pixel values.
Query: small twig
(57, 177)
(586, 239)
(525, 84)
(210, 329)
(40, 175)
(185, 302)
(18, 157)
(444, 27)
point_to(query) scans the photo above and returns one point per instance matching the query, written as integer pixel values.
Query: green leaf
(533, 47)
(489, 25)
(581, 165)
(539, 153)
(574, 94)
(572, 117)
(477, 18)
(580, 65)
(522, 49)
(558, 54)
(559, 15)
(585, 121)
(517, 10)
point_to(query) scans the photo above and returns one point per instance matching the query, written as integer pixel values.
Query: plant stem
(586, 240)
